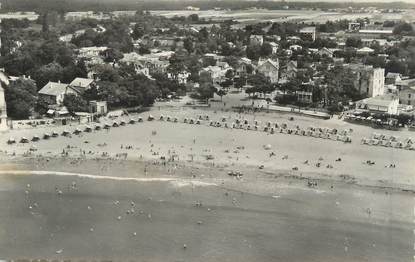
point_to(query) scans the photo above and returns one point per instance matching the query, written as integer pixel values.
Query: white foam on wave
(185, 183)
(174, 181)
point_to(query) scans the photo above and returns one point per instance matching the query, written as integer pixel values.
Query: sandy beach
(176, 178)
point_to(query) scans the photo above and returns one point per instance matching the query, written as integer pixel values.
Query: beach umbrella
(55, 134)
(132, 121)
(140, 119)
(122, 122)
(185, 120)
(88, 129)
(35, 138)
(46, 136)
(176, 120)
(161, 117)
(150, 118)
(11, 141)
(97, 127)
(115, 124)
(77, 131)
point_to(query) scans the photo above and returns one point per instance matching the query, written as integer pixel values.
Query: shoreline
(253, 179)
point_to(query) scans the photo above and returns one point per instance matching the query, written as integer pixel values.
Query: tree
(21, 98)
(206, 88)
(221, 93)
(138, 32)
(113, 55)
(188, 45)
(260, 84)
(205, 91)
(142, 50)
(253, 52)
(353, 42)
(75, 103)
(403, 29)
(266, 50)
(396, 66)
(194, 17)
(44, 74)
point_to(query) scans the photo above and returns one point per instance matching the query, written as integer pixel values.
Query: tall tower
(3, 110)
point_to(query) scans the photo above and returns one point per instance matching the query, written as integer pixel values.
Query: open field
(284, 15)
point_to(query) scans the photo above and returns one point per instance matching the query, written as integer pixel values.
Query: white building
(308, 33)
(3, 110)
(387, 104)
(368, 80)
(270, 69)
(256, 40)
(54, 93)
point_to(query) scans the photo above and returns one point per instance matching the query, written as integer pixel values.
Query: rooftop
(53, 89)
(81, 82)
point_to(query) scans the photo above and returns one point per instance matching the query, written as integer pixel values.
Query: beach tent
(24, 140)
(11, 141)
(65, 133)
(35, 138)
(55, 134)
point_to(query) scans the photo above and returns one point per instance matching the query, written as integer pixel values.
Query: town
(287, 102)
